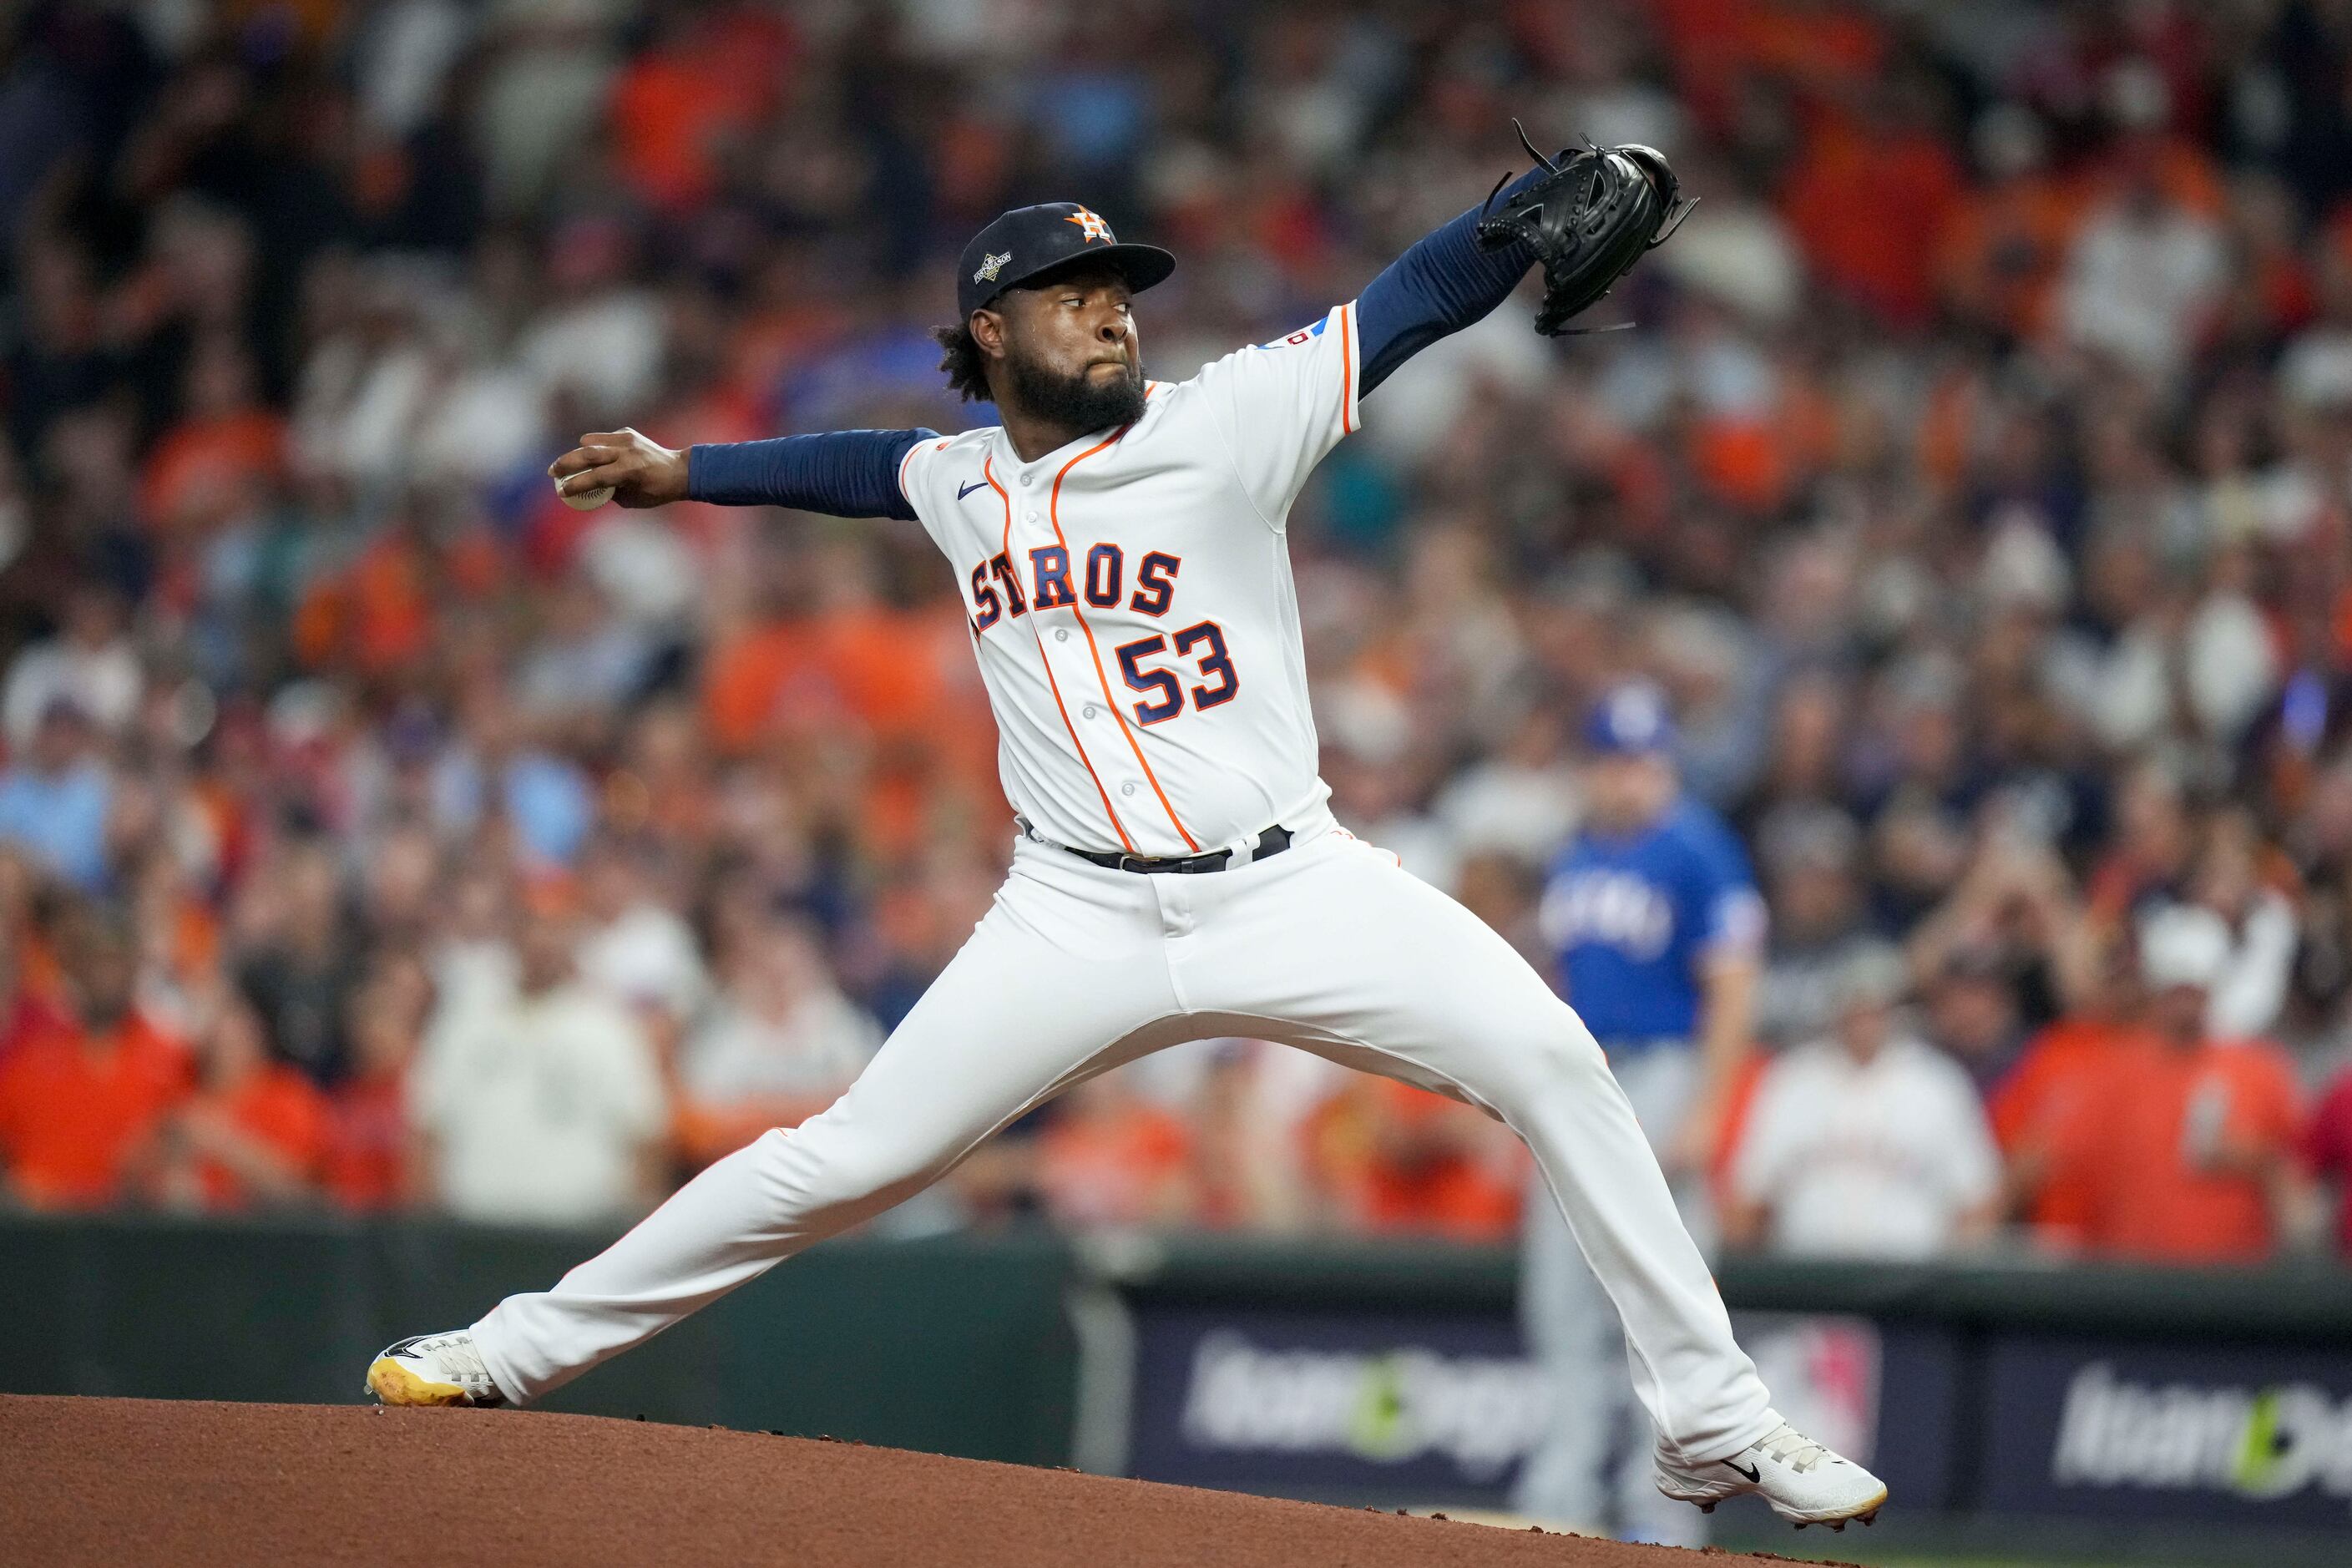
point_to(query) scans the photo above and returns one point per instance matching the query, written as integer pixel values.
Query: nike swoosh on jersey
(964, 490)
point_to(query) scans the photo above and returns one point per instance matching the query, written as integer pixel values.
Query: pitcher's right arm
(845, 473)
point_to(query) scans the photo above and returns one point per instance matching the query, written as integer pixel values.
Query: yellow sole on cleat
(393, 1383)
(1840, 1524)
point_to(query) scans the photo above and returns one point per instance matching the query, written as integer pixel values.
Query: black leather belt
(1272, 841)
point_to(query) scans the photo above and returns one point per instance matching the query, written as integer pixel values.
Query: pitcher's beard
(1078, 401)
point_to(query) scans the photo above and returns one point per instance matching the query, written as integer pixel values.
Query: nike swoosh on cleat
(1750, 1471)
(964, 490)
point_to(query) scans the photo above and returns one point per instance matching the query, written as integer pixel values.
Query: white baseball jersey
(1131, 603)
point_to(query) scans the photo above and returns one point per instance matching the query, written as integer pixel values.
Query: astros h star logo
(1090, 226)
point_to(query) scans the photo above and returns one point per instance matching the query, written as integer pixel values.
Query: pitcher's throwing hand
(637, 471)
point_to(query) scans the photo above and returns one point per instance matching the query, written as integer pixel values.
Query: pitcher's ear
(988, 331)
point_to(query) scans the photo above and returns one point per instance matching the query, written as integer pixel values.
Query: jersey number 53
(1206, 643)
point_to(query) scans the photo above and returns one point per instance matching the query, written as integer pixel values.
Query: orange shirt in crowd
(676, 109)
(367, 1159)
(2000, 258)
(73, 1110)
(2155, 1203)
(1872, 213)
(1383, 1152)
(380, 611)
(1829, 52)
(2051, 1107)
(198, 470)
(1120, 1164)
(277, 1107)
(884, 668)
(746, 678)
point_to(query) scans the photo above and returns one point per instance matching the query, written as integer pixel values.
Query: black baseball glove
(1588, 219)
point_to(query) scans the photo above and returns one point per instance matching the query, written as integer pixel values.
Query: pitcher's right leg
(1018, 1015)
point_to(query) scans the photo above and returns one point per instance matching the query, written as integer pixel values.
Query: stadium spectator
(777, 1045)
(1389, 1159)
(496, 773)
(2230, 879)
(2327, 1152)
(1251, 1152)
(540, 1103)
(370, 1158)
(89, 665)
(1112, 1157)
(1868, 1143)
(1812, 856)
(634, 947)
(57, 796)
(1971, 1014)
(2049, 1112)
(298, 955)
(78, 1107)
(254, 1133)
(2200, 1138)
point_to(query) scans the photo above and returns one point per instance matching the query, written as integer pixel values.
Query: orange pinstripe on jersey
(1053, 511)
(988, 472)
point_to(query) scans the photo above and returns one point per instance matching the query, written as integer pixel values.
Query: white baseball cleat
(433, 1368)
(1803, 1480)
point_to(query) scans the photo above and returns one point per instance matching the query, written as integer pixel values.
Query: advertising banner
(1435, 1406)
(2230, 1435)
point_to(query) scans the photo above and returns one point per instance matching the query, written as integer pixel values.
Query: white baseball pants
(1328, 946)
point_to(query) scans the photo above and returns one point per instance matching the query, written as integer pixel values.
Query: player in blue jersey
(1657, 929)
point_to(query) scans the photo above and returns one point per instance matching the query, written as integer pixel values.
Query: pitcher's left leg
(1340, 951)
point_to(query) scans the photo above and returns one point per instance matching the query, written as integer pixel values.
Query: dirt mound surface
(165, 1481)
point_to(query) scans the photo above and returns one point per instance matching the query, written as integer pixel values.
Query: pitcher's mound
(167, 1481)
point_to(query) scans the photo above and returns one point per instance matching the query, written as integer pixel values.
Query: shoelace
(1793, 1448)
(457, 1353)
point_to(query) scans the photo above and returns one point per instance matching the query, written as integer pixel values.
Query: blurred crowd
(376, 831)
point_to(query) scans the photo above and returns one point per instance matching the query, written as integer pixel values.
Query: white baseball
(586, 500)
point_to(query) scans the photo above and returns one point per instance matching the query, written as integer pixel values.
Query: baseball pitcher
(1118, 544)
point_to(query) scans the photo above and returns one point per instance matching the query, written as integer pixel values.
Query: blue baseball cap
(1631, 721)
(1028, 242)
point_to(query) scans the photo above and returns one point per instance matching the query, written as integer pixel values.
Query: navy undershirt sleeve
(847, 473)
(1439, 286)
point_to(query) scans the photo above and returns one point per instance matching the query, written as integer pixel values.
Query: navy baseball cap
(1030, 241)
(1630, 722)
